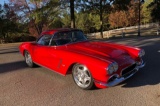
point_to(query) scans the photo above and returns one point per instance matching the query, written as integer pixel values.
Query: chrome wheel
(28, 59)
(82, 76)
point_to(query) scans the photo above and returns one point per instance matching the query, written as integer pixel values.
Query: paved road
(23, 86)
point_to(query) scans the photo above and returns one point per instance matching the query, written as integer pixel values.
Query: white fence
(132, 30)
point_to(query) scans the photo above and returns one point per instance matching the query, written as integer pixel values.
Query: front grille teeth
(128, 69)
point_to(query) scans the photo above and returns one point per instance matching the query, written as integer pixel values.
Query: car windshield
(66, 37)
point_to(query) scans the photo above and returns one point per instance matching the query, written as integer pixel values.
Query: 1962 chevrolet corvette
(92, 63)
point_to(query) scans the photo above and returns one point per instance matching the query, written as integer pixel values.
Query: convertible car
(92, 63)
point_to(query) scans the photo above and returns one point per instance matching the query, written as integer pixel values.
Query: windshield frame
(71, 39)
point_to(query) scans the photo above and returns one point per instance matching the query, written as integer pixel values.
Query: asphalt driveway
(23, 86)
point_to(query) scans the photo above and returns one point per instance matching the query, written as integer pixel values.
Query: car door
(46, 53)
(41, 50)
(54, 58)
(56, 51)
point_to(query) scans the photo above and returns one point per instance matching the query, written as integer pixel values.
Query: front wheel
(82, 77)
(28, 59)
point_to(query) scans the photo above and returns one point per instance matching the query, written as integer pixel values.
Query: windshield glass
(66, 37)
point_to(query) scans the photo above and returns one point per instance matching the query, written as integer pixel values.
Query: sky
(2, 1)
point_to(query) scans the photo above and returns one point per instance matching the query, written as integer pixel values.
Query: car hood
(102, 50)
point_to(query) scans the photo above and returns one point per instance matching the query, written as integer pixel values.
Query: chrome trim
(140, 61)
(49, 69)
(114, 75)
(141, 53)
(122, 78)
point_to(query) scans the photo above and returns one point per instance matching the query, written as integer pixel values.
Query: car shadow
(12, 66)
(150, 74)
(9, 50)
(3, 49)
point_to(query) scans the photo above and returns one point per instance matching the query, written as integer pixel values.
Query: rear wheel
(82, 77)
(28, 59)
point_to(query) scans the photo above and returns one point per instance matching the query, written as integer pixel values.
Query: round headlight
(141, 53)
(113, 67)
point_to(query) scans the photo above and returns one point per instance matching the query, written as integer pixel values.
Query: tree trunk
(101, 18)
(72, 13)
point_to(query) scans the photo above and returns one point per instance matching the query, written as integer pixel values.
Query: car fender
(97, 67)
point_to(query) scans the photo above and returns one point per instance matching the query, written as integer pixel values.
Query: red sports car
(92, 63)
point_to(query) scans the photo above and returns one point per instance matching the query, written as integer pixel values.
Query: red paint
(95, 55)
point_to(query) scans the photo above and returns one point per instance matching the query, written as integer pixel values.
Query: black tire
(82, 77)
(28, 59)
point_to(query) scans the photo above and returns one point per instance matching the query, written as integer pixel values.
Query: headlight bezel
(141, 53)
(113, 67)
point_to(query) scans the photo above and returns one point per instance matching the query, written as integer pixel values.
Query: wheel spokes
(82, 77)
(87, 79)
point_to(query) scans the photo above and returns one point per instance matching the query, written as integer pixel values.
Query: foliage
(66, 20)
(155, 9)
(120, 5)
(147, 12)
(127, 17)
(88, 22)
(39, 14)
(20, 18)
(8, 20)
(115, 22)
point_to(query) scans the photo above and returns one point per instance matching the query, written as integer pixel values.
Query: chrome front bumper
(118, 79)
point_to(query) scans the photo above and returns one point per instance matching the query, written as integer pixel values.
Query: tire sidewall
(30, 65)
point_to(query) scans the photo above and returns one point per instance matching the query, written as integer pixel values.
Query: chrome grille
(128, 70)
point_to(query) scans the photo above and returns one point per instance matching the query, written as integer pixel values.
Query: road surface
(23, 86)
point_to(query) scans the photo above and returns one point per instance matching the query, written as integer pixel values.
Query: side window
(62, 38)
(53, 43)
(44, 40)
(63, 35)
